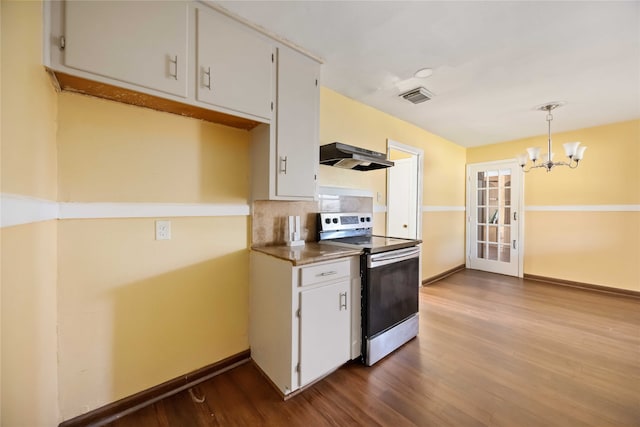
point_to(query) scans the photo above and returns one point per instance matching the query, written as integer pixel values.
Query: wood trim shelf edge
(129, 404)
(68, 83)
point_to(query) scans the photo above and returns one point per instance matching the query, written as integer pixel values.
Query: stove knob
(368, 219)
(361, 219)
(335, 220)
(327, 220)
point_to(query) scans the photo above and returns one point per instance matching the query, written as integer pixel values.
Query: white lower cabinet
(301, 318)
(324, 329)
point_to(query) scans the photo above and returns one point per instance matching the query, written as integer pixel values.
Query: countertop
(309, 253)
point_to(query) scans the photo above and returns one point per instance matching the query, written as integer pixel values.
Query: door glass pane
(493, 252)
(482, 197)
(506, 235)
(482, 218)
(505, 253)
(507, 216)
(505, 178)
(493, 234)
(481, 252)
(493, 197)
(481, 233)
(493, 178)
(481, 180)
(506, 196)
(494, 215)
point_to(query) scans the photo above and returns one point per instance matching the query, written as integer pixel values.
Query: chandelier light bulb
(571, 148)
(534, 153)
(579, 154)
(522, 159)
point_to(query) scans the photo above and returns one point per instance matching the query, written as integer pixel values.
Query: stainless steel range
(389, 269)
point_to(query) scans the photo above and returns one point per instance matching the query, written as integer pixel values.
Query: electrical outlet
(163, 230)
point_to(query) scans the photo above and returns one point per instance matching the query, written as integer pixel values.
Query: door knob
(404, 226)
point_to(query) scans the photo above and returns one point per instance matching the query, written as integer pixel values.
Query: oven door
(390, 289)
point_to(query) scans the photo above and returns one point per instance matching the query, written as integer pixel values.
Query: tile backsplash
(269, 218)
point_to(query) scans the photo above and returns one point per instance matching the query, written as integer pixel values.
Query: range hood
(349, 157)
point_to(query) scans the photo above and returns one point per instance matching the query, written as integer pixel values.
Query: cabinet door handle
(208, 74)
(343, 300)
(283, 165)
(174, 61)
(327, 273)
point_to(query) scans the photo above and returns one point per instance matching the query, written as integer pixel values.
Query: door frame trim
(419, 153)
(520, 206)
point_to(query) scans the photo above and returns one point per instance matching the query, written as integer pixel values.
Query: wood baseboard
(588, 286)
(442, 275)
(127, 405)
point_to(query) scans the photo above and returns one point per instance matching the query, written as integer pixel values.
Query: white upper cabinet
(142, 43)
(235, 65)
(284, 156)
(297, 124)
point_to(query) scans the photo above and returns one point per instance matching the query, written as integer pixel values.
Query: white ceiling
(492, 61)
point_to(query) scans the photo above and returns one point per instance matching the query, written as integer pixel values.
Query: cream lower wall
(29, 324)
(599, 248)
(135, 312)
(444, 232)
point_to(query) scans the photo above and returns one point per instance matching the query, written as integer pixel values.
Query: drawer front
(315, 274)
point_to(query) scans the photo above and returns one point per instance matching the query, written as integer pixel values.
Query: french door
(493, 217)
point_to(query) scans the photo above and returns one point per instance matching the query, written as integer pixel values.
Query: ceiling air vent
(417, 95)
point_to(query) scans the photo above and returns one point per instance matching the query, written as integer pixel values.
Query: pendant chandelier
(573, 150)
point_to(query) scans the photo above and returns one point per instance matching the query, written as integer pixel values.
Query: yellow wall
(28, 252)
(345, 120)
(120, 153)
(133, 311)
(601, 248)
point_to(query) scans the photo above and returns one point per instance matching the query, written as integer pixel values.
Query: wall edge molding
(18, 210)
(443, 208)
(429, 280)
(148, 210)
(582, 208)
(582, 285)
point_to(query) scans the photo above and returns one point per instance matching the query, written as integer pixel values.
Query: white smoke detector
(417, 95)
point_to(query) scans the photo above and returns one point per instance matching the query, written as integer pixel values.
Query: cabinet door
(138, 42)
(325, 330)
(235, 65)
(297, 125)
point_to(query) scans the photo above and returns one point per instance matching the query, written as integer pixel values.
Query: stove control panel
(345, 221)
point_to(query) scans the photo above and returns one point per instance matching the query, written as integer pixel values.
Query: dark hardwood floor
(492, 351)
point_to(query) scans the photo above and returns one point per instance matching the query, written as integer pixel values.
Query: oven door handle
(378, 260)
